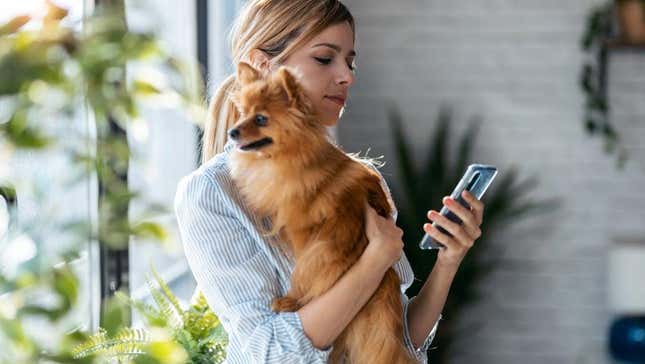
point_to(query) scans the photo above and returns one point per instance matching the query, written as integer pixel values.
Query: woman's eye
(328, 61)
(323, 60)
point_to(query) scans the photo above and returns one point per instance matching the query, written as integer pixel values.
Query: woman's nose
(346, 76)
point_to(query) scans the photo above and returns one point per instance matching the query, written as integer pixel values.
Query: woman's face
(326, 64)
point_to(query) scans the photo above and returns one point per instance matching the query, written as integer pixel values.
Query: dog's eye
(261, 120)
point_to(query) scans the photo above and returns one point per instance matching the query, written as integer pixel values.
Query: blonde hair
(278, 28)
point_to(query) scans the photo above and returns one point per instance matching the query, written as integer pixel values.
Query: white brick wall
(515, 63)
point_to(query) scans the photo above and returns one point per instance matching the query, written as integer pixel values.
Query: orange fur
(315, 195)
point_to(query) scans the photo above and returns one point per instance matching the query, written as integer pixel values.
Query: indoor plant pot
(631, 20)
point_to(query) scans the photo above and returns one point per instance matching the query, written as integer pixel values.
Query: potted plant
(196, 330)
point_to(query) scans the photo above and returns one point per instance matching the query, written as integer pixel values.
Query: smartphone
(476, 180)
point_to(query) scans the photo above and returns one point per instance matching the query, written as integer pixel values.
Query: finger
(439, 236)
(469, 225)
(452, 227)
(476, 205)
(464, 214)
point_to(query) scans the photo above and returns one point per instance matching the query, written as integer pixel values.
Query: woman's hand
(385, 244)
(464, 235)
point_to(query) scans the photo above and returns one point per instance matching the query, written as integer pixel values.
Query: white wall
(515, 63)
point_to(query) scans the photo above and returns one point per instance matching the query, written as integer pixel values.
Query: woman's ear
(246, 73)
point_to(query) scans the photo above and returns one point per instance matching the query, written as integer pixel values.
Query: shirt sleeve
(237, 278)
(420, 353)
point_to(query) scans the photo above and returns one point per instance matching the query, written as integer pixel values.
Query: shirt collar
(230, 145)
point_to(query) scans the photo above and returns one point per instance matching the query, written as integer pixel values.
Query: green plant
(47, 74)
(422, 189)
(196, 329)
(593, 76)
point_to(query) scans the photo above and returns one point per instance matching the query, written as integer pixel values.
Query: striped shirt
(239, 271)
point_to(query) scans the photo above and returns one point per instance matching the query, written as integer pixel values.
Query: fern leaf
(167, 309)
(152, 315)
(166, 291)
(126, 344)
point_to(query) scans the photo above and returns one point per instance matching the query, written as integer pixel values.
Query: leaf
(404, 161)
(166, 291)
(149, 229)
(465, 149)
(436, 165)
(145, 88)
(114, 316)
(14, 331)
(14, 24)
(167, 352)
(23, 136)
(168, 311)
(58, 56)
(587, 78)
(152, 315)
(66, 284)
(590, 125)
(125, 345)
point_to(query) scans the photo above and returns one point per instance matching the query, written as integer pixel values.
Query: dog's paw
(285, 304)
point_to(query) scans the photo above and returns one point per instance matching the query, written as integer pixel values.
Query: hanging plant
(593, 80)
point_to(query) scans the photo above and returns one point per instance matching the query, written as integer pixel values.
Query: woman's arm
(424, 309)
(326, 316)
(419, 345)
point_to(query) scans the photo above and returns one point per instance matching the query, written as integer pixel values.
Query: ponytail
(222, 115)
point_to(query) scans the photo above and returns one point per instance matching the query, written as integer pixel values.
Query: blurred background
(550, 92)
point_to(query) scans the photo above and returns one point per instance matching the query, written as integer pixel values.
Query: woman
(238, 270)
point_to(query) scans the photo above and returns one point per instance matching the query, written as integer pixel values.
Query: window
(167, 147)
(47, 196)
(164, 150)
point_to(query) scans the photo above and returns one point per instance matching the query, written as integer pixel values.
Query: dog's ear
(246, 73)
(289, 83)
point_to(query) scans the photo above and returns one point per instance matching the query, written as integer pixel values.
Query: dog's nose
(234, 134)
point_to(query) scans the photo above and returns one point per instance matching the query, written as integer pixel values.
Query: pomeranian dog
(286, 168)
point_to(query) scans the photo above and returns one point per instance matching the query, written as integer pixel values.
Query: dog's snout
(234, 133)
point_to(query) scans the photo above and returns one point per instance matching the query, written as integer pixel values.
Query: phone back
(476, 180)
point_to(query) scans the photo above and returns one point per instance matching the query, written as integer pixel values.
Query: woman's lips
(337, 100)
